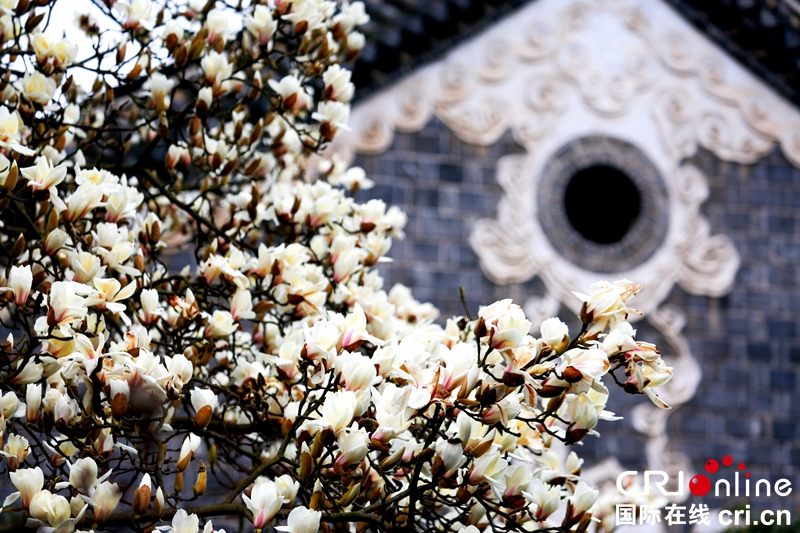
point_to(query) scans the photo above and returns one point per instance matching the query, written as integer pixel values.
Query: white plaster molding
(616, 57)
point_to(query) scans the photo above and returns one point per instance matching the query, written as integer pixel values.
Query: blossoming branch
(273, 382)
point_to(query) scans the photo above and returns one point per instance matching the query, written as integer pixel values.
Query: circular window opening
(602, 185)
(602, 204)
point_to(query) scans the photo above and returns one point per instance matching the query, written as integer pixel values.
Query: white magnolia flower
(136, 13)
(51, 509)
(264, 502)
(83, 475)
(29, 482)
(221, 324)
(44, 177)
(353, 445)
(188, 449)
(38, 88)
(217, 70)
(160, 89)
(204, 402)
(333, 116)
(219, 22)
(33, 401)
(11, 131)
(184, 522)
(337, 84)
(302, 520)
(261, 24)
(20, 279)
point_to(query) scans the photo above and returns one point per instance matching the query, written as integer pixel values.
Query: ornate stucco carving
(558, 71)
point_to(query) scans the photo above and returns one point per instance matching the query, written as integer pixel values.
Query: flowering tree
(273, 381)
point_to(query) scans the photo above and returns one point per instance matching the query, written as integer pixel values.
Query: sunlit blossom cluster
(195, 329)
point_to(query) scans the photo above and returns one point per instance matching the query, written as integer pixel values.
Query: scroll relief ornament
(632, 71)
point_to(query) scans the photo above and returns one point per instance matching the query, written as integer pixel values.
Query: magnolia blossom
(338, 410)
(15, 450)
(555, 334)
(505, 323)
(29, 482)
(217, 70)
(358, 371)
(65, 305)
(136, 12)
(63, 53)
(337, 84)
(188, 449)
(20, 279)
(301, 520)
(242, 305)
(261, 24)
(219, 22)
(583, 498)
(452, 455)
(221, 325)
(184, 522)
(83, 475)
(489, 467)
(49, 508)
(82, 201)
(263, 502)
(55, 241)
(353, 446)
(606, 305)
(109, 293)
(290, 91)
(355, 43)
(204, 402)
(9, 404)
(545, 497)
(333, 116)
(44, 177)
(352, 15)
(141, 498)
(37, 88)
(160, 88)
(33, 400)
(120, 393)
(11, 131)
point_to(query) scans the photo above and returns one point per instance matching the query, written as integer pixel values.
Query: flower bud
(350, 496)
(33, 401)
(141, 498)
(204, 402)
(119, 392)
(54, 241)
(199, 487)
(19, 281)
(105, 499)
(188, 448)
(393, 459)
(159, 504)
(305, 465)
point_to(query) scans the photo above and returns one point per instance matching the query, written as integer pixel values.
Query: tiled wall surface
(747, 342)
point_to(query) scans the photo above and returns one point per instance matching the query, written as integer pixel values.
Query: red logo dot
(747, 474)
(741, 466)
(699, 485)
(712, 466)
(727, 460)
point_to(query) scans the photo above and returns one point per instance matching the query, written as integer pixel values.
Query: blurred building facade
(540, 146)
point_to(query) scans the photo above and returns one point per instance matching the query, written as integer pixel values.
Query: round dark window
(602, 204)
(600, 185)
